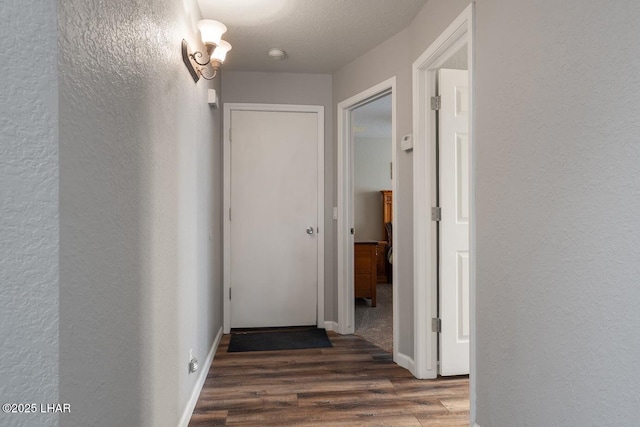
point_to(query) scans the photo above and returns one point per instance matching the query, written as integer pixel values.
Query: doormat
(279, 340)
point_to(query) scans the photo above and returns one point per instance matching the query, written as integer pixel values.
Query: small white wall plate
(407, 142)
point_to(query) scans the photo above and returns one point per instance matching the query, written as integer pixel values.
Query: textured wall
(372, 157)
(140, 191)
(29, 231)
(300, 89)
(558, 196)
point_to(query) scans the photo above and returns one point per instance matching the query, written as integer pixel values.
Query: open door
(454, 185)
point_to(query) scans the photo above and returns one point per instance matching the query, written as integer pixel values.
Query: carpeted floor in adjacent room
(375, 324)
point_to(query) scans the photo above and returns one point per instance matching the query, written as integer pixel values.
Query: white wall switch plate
(212, 97)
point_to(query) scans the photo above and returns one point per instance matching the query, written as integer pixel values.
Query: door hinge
(390, 170)
(436, 325)
(230, 134)
(229, 214)
(436, 102)
(436, 213)
(229, 293)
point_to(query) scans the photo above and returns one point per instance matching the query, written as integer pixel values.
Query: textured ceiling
(319, 36)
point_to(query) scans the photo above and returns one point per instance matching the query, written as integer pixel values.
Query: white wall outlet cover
(212, 98)
(193, 362)
(407, 142)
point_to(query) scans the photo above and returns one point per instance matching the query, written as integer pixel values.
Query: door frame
(346, 299)
(226, 204)
(460, 32)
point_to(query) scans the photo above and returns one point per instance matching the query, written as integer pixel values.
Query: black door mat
(286, 339)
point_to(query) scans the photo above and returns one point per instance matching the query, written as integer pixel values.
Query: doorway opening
(354, 236)
(372, 207)
(444, 203)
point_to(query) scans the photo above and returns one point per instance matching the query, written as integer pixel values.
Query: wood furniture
(365, 269)
(381, 262)
(387, 211)
(383, 266)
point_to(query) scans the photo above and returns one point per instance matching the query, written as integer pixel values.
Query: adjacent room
(373, 220)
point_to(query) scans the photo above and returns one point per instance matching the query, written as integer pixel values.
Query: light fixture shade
(221, 51)
(276, 53)
(211, 31)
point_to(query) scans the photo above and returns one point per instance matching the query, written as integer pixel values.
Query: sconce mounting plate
(186, 57)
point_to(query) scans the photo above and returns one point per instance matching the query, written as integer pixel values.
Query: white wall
(558, 196)
(29, 211)
(371, 174)
(140, 196)
(297, 89)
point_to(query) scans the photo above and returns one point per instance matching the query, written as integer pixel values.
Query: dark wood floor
(351, 384)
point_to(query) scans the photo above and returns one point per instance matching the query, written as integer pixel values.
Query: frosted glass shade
(211, 31)
(221, 51)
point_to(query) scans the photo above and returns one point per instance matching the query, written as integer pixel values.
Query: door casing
(460, 32)
(226, 205)
(346, 299)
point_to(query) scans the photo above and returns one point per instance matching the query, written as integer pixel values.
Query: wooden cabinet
(365, 268)
(387, 212)
(381, 263)
(383, 267)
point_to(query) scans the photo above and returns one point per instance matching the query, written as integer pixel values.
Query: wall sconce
(211, 32)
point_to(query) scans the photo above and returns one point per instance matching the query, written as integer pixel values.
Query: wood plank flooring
(353, 383)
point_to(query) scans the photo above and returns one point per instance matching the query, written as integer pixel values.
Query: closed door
(454, 184)
(274, 218)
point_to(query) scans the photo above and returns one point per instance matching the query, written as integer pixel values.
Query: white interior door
(274, 218)
(454, 167)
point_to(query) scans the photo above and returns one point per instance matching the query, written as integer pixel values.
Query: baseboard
(405, 361)
(197, 388)
(331, 326)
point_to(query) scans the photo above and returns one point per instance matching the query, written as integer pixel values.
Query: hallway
(113, 224)
(353, 383)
